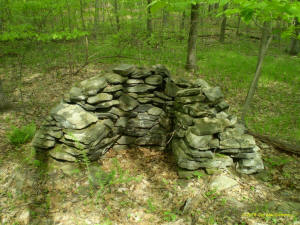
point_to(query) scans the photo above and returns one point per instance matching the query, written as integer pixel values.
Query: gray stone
(113, 78)
(118, 112)
(72, 116)
(135, 122)
(193, 152)
(162, 95)
(117, 94)
(140, 88)
(141, 73)
(134, 81)
(55, 133)
(184, 119)
(170, 88)
(134, 95)
(93, 85)
(233, 139)
(188, 92)
(94, 132)
(220, 161)
(43, 143)
(158, 101)
(245, 155)
(207, 126)
(222, 182)
(76, 94)
(152, 139)
(105, 105)
(155, 111)
(60, 154)
(154, 80)
(104, 143)
(125, 140)
(144, 100)
(223, 105)
(143, 108)
(87, 107)
(112, 88)
(198, 142)
(146, 116)
(106, 115)
(190, 99)
(127, 103)
(101, 97)
(200, 83)
(213, 94)
(250, 166)
(122, 122)
(160, 69)
(189, 164)
(124, 69)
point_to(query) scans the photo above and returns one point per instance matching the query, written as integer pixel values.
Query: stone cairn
(136, 106)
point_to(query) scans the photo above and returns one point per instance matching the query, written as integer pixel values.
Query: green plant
(198, 174)
(18, 136)
(169, 216)
(211, 194)
(151, 207)
(277, 161)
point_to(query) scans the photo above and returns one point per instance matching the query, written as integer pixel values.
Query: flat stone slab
(222, 182)
(140, 88)
(124, 69)
(101, 97)
(114, 78)
(154, 80)
(93, 85)
(72, 116)
(127, 103)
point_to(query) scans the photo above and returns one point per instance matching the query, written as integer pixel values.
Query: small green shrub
(18, 136)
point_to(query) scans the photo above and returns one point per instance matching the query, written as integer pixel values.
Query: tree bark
(116, 8)
(149, 19)
(81, 14)
(238, 26)
(265, 41)
(182, 22)
(223, 25)
(294, 50)
(191, 62)
(96, 15)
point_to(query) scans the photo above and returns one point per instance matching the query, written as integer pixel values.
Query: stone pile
(206, 136)
(135, 106)
(123, 109)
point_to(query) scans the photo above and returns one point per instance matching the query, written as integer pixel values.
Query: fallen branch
(278, 144)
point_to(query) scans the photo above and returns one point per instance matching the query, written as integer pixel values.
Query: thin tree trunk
(81, 15)
(165, 18)
(238, 26)
(116, 8)
(294, 50)
(265, 41)
(191, 62)
(223, 25)
(69, 16)
(182, 22)
(96, 16)
(149, 19)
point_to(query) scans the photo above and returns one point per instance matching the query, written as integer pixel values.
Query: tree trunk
(165, 18)
(96, 15)
(223, 25)
(81, 15)
(182, 22)
(294, 50)
(238, 26)
(191, 62)
(116, 8)
(265, 41)
(149, 19)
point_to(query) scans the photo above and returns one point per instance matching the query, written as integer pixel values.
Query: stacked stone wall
(135, 106)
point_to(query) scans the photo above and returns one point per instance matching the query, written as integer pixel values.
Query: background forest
(250, 48)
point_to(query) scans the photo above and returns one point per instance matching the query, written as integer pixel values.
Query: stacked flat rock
(122, 109)
(206, 136)
(133, 106)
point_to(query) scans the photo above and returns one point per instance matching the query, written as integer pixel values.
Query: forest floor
(136, 186)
